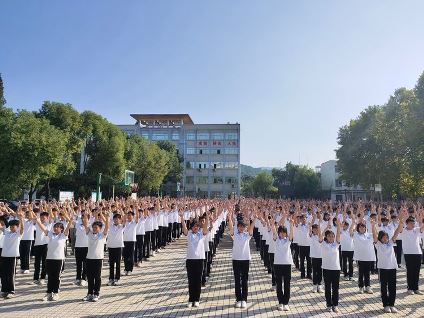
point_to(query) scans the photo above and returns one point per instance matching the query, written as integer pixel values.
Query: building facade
(338, 189)
(211, 152)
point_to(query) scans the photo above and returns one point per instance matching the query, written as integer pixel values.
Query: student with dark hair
(115, 243)
(130, 237)
(386, 263)
(95, 255)
(195, 257)
(363, 253)
(346, 244)
(55, 254)
(9, 253)
(26, 243)
(283, 261)
(411, 235)
(241, 258)
(40, 249)
(316, 257)
(80, 250)
(330, 244)
(140, 247)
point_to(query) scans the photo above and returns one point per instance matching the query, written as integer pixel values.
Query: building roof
(163, 117)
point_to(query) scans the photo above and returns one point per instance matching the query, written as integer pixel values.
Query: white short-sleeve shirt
(56, 246)
(96, 244)
(386, 258)
(411, 240)
(283, 255)
(330, 256)
(11, 243)
(241, 247)
(363, 247)
(195, 245)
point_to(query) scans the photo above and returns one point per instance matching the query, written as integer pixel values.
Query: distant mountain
(252, 171)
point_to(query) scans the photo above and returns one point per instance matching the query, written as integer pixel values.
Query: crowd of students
(328, 237)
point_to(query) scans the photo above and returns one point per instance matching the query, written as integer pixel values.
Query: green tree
(2, 99)
(175, 165)
(35, 152)
(263, 185)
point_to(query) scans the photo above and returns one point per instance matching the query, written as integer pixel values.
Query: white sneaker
(88, 298)
(368, 290)
(153, 254)
(238, 304)
(329, 309)
(77, 282)
(189, 305)
(116, 283)
(319, 289)
(129, 273)
(21, 271)
(393, 309)
(110, 282)
(286, 308)
(243, 304)
(346, 278)
(335, 309)
(83, 282)
(42, 282)
(411, 292)
(36, 282)
(361, 290)
(126, 273)
(25, 272)
(280, 307)
(418, 292)
(47, 297)
(95, 298)
(55, 297)
(387, 309)
(196, 304)
(315, 289)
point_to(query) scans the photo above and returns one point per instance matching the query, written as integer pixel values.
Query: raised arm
(374, 230)
(339, 230)
(183, 224)
(106, 229)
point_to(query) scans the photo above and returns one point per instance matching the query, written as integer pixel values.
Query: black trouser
(40, 253)
(398, 251)
(295, 252)
(364, 273)
(261, 247)
(316, 270)
(388, 285)
(153, 237)
(266, 257)
(331, 280)
(271, 262)
(140, 249)
(53, 267)
(115, 255)
(128, 255)
(347, 257)
(148, 243)
(283, 275)
(194, 274)
(175, 233)
(179, 229)
(210, 256)
(170, 232)
(73, 238)
(80, 259)
(7, 273)
(94, 276)
(413, 265)
(304, 253)
(162, 236)
(205, 268)
(256, 237)
(241, 276)
(24, 252)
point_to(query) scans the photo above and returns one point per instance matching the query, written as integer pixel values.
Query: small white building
(338, 189)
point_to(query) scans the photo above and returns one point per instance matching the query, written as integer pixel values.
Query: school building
(211, 152)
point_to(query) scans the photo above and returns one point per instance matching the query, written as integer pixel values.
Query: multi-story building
(340, 190)
(211, 152)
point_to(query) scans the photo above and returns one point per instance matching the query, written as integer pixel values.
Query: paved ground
(159, 289)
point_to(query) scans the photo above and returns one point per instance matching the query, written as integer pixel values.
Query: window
(202, 151)
(160, 136)
(217, 165)
(230, 180)
(231, 151)
(202, 180)
(202, 165)
(191, 135)
(231, 136)
(190, 165)
(217, 136)
(175, 136)
(202, 136)
(191, 151)
(218, 151)
(189, 180)
(231, 165)
(218, 180)
(339, 183)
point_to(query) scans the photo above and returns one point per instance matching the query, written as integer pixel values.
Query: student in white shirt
(283, 261)
(316, 258)
(95, 255)
(80, 250)
(9, 253)
(364, 253)
(330, 244)
(55, 255)
(140, 247)
(195, 256)
(130, 237)
(241, 236)
(3, 222)
(26, 243)
(411, 236)
(304, 247)
(115, 243)
(387, 265)
(40, 249)
(346, 244)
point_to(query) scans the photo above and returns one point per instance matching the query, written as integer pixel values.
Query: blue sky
(290, 72)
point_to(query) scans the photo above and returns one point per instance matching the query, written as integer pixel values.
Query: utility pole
(99, 180)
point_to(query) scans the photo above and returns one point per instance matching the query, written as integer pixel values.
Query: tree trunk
(31, 192)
